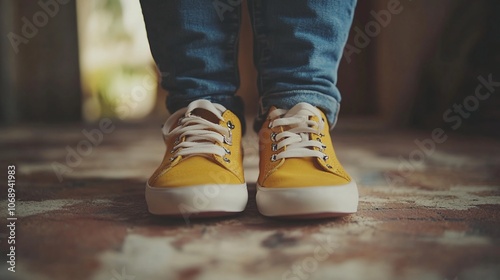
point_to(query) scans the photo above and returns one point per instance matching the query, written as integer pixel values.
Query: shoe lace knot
(197, 135)
(297, 129)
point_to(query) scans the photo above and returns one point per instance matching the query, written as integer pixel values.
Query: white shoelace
(201, 137)
(296, 139)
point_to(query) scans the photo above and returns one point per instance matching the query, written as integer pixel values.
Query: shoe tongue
(205, 114)
(206, 110)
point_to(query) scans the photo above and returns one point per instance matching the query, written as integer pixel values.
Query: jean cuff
(286, 100)
(232, 103)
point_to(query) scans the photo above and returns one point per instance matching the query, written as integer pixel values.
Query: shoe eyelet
(229, 139)
(274, 157)
(177, 140)
(270, 124)
(172, 158)
(230, 125)
(227, 151)
(274, 147)
(318, 139)
(226, 159)
(273, 136)
(325, 158)
(321, 135)
(329, 166)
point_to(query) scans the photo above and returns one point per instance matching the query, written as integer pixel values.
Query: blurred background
(79, 61)
(426, 211)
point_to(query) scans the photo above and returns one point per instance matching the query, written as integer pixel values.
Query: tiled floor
(433, 217)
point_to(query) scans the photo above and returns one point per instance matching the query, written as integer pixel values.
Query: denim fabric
(298, 47)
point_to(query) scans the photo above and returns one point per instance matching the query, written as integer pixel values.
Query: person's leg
(298, 47)
(195, 50)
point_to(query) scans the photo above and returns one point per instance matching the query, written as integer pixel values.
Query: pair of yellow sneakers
(202, 171)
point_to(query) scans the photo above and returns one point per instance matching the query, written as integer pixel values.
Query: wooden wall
(41, 78)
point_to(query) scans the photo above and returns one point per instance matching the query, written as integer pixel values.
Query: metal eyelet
(229, 140)
(172, 159)
(177, 140)
(318, 139)
(274, 157)
(227, 151)
(325, 158)
(273, 136)
(274, 147)
(226, 159)
(329, 166)
(230, 125)
(321, 135)
(270, 124)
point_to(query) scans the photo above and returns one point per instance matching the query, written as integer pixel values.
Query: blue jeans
(298, 47)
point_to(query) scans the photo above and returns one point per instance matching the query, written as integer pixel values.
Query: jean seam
(261, 47)
(235, 48)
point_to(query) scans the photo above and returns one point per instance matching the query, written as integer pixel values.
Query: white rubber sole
(201, 200)
(308, 202)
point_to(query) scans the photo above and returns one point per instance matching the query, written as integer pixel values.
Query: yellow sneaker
(300, 175)
(202, 171)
